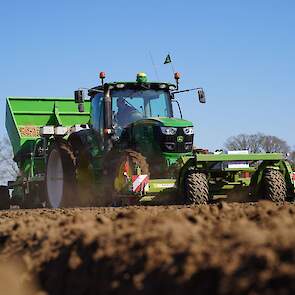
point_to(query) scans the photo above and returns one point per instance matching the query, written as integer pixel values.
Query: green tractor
(123, 146)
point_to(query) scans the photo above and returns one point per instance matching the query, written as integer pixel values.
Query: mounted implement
(124, 146)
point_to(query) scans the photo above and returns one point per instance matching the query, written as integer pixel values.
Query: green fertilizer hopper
(123, 146)
(25, 116)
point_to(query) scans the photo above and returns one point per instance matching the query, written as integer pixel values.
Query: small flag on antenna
(167, 60)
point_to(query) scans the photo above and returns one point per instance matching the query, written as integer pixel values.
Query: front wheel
(60, 177)
(196, 189)
(119, 167)
(274, 185)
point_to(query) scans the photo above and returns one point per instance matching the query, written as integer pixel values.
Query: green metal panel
(161, 185)
(35, 112)
(238, 157)
(172, 122)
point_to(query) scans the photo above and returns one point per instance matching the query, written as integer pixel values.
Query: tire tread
(196, 188)
(274, 185)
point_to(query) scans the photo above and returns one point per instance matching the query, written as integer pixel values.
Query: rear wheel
(274, 185)
(4, 198)
(196, 189)
(60, 177)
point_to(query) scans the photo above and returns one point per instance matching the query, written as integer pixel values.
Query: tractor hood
(171, 122)
(148, 134)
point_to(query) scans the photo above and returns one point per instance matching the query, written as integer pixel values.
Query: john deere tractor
(123, 146)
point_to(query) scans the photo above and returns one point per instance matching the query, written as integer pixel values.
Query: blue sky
(241, 52)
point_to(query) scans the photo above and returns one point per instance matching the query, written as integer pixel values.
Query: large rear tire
(196, 189)
(274, 185)
(60, 177)
(4, 198)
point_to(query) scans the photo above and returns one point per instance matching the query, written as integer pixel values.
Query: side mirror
(79, 99)
(201, 95)
(79, 96)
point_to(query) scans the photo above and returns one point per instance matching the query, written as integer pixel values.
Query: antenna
(154, 65)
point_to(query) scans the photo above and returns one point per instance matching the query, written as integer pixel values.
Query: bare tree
(273, 144)
(252, 143)
(8, 168)
(256, 143)
(239, 142)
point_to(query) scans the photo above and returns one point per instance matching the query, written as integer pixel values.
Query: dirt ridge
(216, 249)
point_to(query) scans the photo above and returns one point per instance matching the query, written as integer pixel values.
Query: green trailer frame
(231, 177)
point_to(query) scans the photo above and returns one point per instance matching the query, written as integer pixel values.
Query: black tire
(112, 164)
(4, 198)
(196, 189)
(69, 184)
(274, 185)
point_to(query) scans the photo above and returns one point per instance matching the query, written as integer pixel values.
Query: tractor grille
(170, 144)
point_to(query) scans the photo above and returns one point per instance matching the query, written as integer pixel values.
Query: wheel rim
(54, 179)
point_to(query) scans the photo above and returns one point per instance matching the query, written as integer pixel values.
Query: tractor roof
(133, 85)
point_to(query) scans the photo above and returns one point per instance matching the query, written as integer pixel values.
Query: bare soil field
(224, 248)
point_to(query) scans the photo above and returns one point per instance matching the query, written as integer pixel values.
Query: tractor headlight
(169, 130)
(188, 130)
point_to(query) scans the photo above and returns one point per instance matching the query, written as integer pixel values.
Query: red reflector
(107, 131)
(102, 75)
(126, 167)
(177, 76)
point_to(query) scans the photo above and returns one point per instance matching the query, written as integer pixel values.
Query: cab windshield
(130, 105)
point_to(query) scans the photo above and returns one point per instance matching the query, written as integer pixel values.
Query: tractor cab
(116, 105)
(127, 103)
